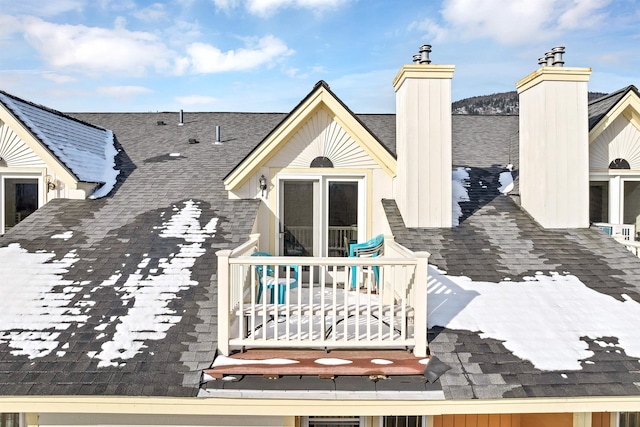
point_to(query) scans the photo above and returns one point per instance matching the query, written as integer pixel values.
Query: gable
(14, 151)
(307, 124)
(620, 140)
(617, 135)
(322, 136)
(75, 150)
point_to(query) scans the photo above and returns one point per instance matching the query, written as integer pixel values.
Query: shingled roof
(86, 150)
(125, 301)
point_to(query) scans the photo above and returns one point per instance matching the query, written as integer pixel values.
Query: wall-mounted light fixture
(263, 184)
(51, 184)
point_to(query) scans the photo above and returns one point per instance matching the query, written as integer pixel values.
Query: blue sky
(266, 55)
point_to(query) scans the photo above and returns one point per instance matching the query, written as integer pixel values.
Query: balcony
(387, 310)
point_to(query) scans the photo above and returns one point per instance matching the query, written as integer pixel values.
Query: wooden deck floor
(318, 362)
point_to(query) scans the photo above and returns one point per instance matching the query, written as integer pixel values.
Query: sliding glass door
(320, 215)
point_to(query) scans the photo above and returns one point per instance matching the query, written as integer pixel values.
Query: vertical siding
(423, 141)
(554, 151)
(601, 419)
(477, 420)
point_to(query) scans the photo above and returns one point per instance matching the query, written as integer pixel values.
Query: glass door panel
(631, 211)
(342, 217)
(20, 200)
(297, 231)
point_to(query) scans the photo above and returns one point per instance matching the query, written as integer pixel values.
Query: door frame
(4, 176)
(323, 180)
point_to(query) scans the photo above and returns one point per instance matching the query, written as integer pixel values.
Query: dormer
(44, 155)
(321, 174)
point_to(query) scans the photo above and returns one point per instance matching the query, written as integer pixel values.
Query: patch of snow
(60, 353)
(564, 376)
(381, 362)
(553, 313)
(229, 378)
(424, 361)
(332, 361)
(206, 378)
(65, 236)
(223, 360)
(459, 185)
(506, 182)
(109, 172)
(36, 308)
(147, 297)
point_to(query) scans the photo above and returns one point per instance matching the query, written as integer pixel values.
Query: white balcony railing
(322, 310)
(618, 231)
(632, 246)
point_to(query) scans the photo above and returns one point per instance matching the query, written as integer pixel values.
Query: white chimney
(423, 142)
(554, 143)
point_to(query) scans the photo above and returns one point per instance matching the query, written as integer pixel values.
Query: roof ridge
(614, 94)
(49, 110)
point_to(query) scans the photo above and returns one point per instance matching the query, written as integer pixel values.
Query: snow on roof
(87, 151)
(459, 184)
(40, 302)
(541, 319)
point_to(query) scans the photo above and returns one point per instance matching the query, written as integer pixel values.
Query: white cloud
(583, 14)
(97, 50)
(226, 5)
(41, 8)
(59, 78)
(8, 25)
(196, 100)
(517, 21)
(155, 12)
(266, 8)
(122, 91)
(430, 29)
(205, 58)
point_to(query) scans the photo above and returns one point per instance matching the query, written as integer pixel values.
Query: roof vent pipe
(549, 57)
(416, 58)
(425, 49)
(542, 61)
(218, 140)
(557, 56)
(181, 118)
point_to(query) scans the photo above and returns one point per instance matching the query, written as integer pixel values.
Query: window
(402, 421)
(9, 420)
(629, 419)
(315, 421)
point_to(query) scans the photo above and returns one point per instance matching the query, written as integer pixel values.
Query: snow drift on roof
(87, 151)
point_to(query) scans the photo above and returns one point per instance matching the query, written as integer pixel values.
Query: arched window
(321, 162)
(619, 164)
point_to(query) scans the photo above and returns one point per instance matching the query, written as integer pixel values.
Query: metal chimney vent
(218, 136)
(553, 58)
(181, 118)
(423, 55)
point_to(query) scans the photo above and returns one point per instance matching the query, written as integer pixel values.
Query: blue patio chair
(371, 248)
(268, 280)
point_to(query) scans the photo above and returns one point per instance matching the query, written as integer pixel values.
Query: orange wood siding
(601, 419)
(473, 420)
(512, 420)
(547, 420)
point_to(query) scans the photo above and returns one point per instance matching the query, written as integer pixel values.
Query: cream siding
(15, 152)
(423, 141)
(121, 420)
(554, 148)
(620, 140)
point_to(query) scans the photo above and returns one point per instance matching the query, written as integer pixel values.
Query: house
(130, 297)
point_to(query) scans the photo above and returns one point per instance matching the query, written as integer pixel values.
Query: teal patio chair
(267, 279)
(371, 248)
